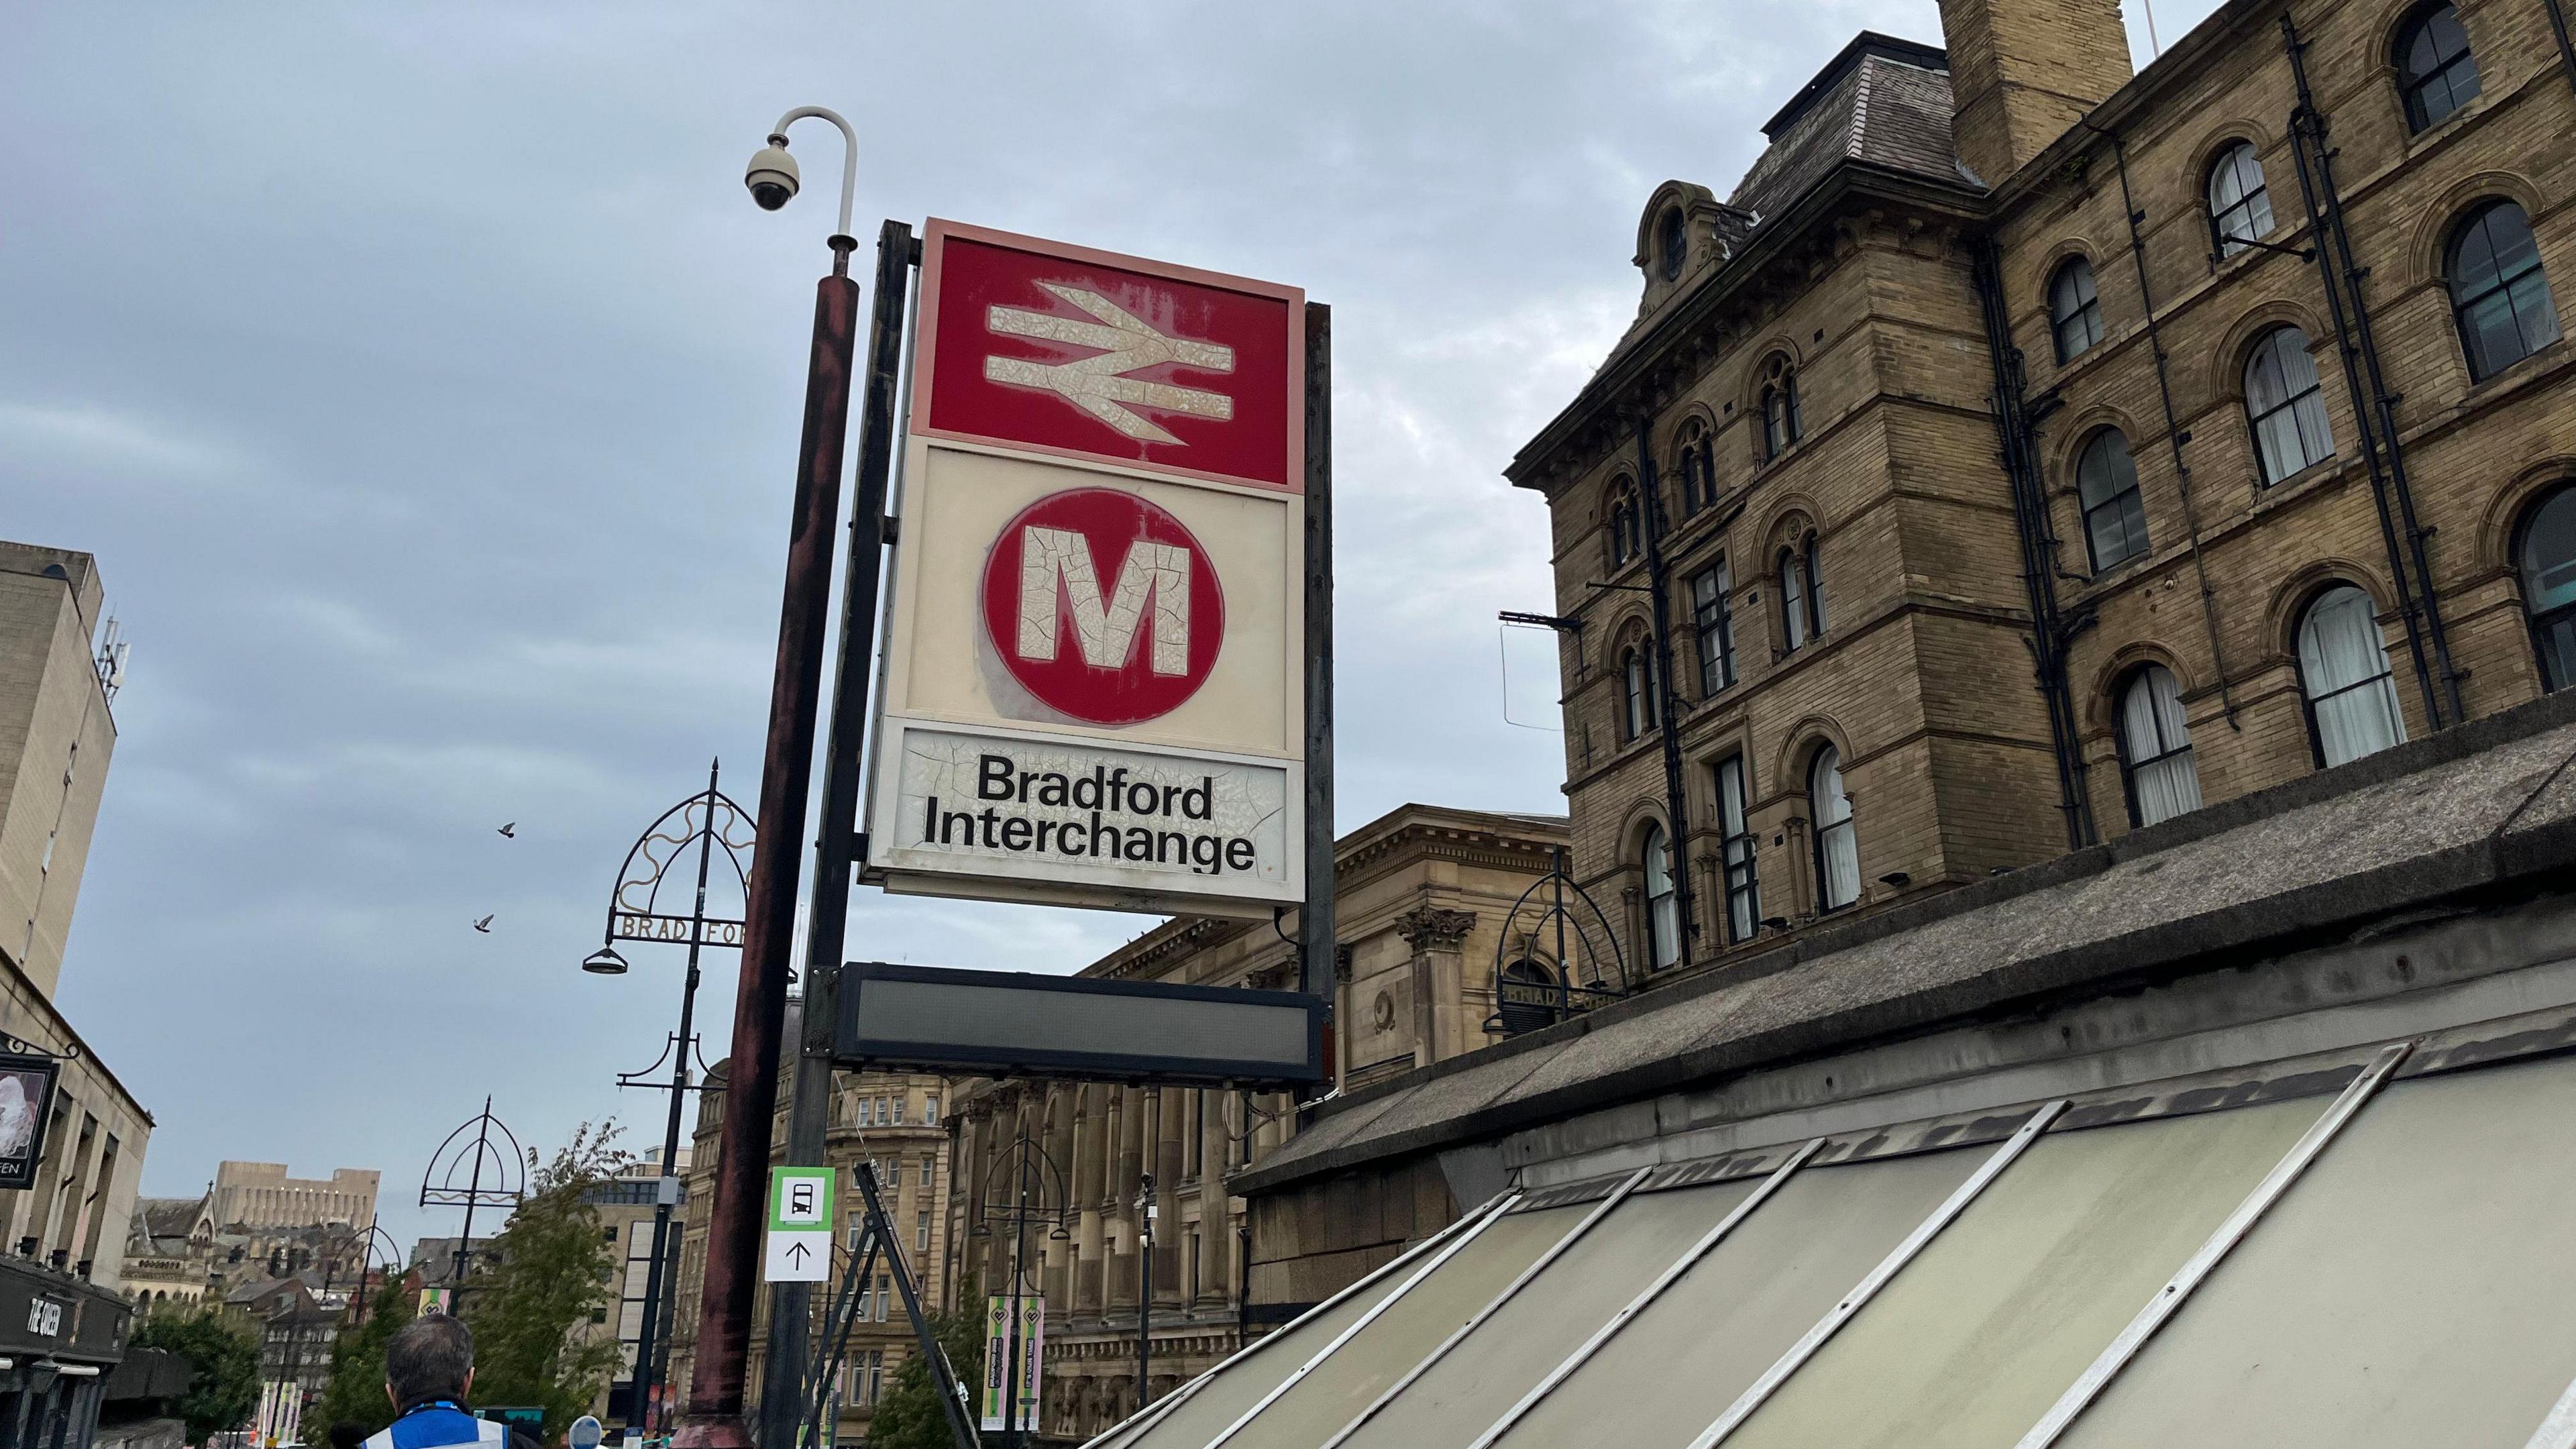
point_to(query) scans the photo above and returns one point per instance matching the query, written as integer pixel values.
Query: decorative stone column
(1438, 936)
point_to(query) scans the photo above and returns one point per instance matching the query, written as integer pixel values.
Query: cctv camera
(771, 176)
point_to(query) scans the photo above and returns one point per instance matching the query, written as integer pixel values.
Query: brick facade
(1850, 255)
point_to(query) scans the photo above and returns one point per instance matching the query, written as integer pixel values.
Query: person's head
(431, 1357)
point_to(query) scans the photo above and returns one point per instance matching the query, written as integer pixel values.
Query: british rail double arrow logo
(1099, 384)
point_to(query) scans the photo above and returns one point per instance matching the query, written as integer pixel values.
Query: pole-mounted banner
(1094, 688)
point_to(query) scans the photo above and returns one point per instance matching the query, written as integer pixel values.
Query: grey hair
(428, 1358)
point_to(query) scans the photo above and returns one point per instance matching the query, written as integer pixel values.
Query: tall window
(2115, 517)
(1637, 690)
(2343, 672)
(1714, 625)
(2548, 559)
(2155, 748)
(2285, 404)
(1627, 525)
(2074, 309)
(2240, 209)
(1698, 461)
(2498, 291)
(1672, 241)
(1837, 853)
(1663, 906)
(1743, 891)
(2435, 71)
(1781, 425)
(1802, 593)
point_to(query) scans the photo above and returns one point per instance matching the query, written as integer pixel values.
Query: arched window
(2115, 517)
(2240, 209)
(1743, 890)
(2155, 748)
(1638, 690)
(2498, 291)
(1698, 462)
(2285, 404)
(1627, 526)
(1837, 853)
(1781, 425)
(1663, 906)
(2435, 71)
(1802, 594)
(2074, 309)
(2547, 555)
(1672, 242)
(2344, 674)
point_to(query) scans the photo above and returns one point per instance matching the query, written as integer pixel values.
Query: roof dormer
(1685, 231)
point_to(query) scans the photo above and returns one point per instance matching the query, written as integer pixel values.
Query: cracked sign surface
(1069, 352)
(1103, 605)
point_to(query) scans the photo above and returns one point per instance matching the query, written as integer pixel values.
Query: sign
(1094, 656)
(437, 1300)
(585, 1433)
(799, 1246)
(998, 1357)
(522, 1416)
(937, 1019)
(26, 1095)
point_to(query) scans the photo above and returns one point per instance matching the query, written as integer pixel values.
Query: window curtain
(2343, 662)
(1663, 907)
(1837, 854)
(2161, 775)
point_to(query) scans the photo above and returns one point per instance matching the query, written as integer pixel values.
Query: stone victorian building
(1425, 896)
(2024, 452)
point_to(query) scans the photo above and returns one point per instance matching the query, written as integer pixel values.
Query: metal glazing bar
(2558, 1431)
(1671, 1275)
(1155, 1413)
(1888, 1267)
(1554, 1252)
(2107, 1366)
(1376, 1310)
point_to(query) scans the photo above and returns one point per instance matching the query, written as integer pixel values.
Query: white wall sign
(1094, 653)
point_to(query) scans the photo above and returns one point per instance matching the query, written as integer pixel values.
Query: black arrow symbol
(797, 1253)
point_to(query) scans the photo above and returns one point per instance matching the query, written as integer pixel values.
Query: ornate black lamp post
(692, 831)
(1029, 1191)
(508, 1180)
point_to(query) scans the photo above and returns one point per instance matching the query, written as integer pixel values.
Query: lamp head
(771, 175)
(604, 962)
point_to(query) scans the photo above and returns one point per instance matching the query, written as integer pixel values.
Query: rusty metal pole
(715, 1415)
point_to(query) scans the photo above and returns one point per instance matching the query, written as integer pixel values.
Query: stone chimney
(2022, 71)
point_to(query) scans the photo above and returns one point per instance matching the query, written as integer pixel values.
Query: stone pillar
(1171, 1118)
(1090, 1172)
(1438, 936)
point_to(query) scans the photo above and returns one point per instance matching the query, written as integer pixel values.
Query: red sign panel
(1062, 350)
(1103, 606)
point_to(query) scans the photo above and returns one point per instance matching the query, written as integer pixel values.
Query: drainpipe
(1667, 702)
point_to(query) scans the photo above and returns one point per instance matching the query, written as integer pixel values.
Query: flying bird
(510, 831)
(484, 925)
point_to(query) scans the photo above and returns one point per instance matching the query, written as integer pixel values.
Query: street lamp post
(705, 820)
(715, 1415)
(1145, 1212)
(439, 1189)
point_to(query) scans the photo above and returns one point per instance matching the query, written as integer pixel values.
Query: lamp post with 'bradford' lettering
(692, 831)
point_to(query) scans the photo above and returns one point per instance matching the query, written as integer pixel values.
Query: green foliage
(223, 1363)
(356, 1392)
(908, 1414)
(530, 1299)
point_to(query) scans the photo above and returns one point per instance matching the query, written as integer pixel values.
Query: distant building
(625, 1209)
(261, 1195)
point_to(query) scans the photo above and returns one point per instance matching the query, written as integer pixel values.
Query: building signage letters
(639, 926)
(1094, 666)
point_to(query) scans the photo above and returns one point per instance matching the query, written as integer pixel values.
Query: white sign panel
(1094, 653)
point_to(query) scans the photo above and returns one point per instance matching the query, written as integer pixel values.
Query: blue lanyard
(448, 1404)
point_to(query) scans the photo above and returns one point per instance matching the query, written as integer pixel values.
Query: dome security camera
(771, 175)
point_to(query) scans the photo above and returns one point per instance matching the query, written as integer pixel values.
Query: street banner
(436, 1300)
(799, 1245)
(997, 1356)
(1094, 661)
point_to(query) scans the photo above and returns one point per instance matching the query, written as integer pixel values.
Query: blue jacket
(437, 1424)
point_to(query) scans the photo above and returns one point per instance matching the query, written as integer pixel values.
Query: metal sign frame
(37, 1073)
(854, 1050)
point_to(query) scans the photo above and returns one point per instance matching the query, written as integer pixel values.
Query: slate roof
(2473, 808)
(1882, 100)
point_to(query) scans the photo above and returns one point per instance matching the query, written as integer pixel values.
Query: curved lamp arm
(849, 157)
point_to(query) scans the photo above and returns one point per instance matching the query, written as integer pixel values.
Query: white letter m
(1055, 561)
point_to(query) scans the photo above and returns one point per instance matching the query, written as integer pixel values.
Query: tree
(547, 1273)
(908, 1414)
(223, 1368)
(356, 1392)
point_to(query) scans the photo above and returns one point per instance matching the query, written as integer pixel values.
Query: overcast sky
(428, 389)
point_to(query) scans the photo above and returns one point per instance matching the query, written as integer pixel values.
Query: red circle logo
(1103, 606)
